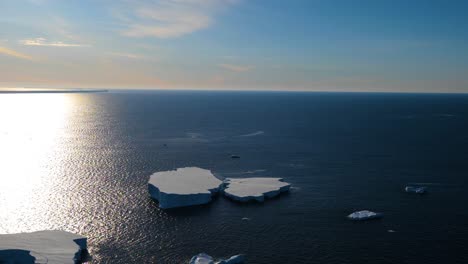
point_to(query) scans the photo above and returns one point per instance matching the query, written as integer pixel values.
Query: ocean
(81, 162)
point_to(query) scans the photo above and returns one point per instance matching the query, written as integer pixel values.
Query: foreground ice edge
(204, 258)
(248, 189)
(183, 187)
(50, 246)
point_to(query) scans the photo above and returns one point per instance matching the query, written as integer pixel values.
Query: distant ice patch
(416, 189)
(51, 247)
(254, 171)
(245, 172)
(365, 215)
(183, 187)
(445, 115)
(248, 189)
(203, 258)
(253, 134)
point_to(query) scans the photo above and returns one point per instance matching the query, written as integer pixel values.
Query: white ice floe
(253, 134)
(247, 189)
(51, 247)
(415, 189)
(237, 259)
(183, 187)
(203, 258)
(364, 215)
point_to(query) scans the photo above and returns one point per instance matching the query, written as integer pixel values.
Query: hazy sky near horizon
(324, 45)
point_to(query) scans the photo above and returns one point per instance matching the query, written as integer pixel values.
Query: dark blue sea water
(341, 152)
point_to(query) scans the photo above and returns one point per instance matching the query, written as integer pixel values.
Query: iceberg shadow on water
(16, 256)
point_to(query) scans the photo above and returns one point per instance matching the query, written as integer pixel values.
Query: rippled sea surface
(81, 162)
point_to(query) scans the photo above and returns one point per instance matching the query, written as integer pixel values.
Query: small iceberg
(183, 187)
(365, 215)
(248, 189)
(253, 134)
(416, 189)
(203, 258)
(51, 247)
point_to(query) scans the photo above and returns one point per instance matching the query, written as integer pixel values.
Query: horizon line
(10, 90)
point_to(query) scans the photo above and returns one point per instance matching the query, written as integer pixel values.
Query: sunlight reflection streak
(30, 129)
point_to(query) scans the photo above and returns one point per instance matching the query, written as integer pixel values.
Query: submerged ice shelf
(183, 187)
(51, 247)
(248, 189)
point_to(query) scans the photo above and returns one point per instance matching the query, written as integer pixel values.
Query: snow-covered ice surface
(364, 215)
(203, 258)
(183, 187)
(247, 189)
(415, 189)
(51, 247)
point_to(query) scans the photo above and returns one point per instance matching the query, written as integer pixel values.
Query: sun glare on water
(30, 128)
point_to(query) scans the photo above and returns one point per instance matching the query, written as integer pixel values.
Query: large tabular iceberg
(247, 189)
(365, 215)
(183, 187)
(51, 247)
(203, 258)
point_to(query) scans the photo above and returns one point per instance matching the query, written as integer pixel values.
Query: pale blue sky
(315, 45)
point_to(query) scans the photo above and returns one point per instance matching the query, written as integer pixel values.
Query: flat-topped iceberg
(364, 215)
(248, 189)
(183, 187)
(203, 258)
(51, 247)
(415, 189)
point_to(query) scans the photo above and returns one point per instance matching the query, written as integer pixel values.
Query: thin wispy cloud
(170, 18)
(45, 43)
(12, 53)
(236, 68)
(127, 55)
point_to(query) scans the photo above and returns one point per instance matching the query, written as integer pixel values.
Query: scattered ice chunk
(201, 258)
(204, 258)
(247, 189)
(237, 259)
(183, 187)
(364, 215)
(415, 189)
(51, 247)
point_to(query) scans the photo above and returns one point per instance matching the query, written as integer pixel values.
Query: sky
(312, 45)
